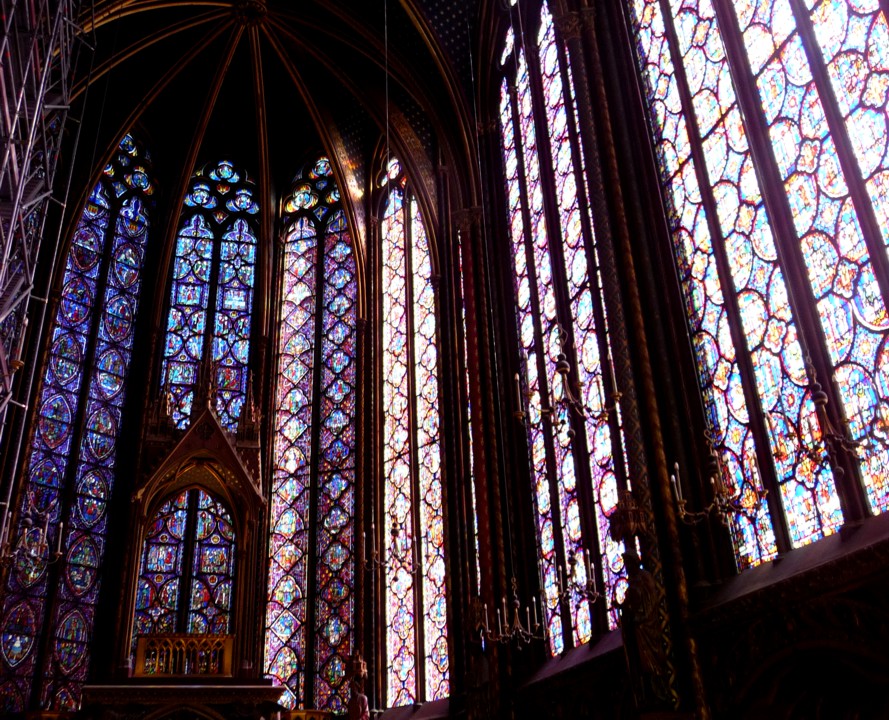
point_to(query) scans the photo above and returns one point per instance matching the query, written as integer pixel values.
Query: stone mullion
(457, 553)
(616, 259)
(488, 328)
(376, 633)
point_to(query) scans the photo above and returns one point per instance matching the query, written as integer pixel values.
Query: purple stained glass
(231, 335)
(319, 284)
(398, 491)
(336, 505)
(803, 472)
(524, 273)
(288, 574)
(431, 532)
(582, 293)
(160, 574)
(215, 257)
(537, 308)
(412, 487)
(187, 320)
(75, 444)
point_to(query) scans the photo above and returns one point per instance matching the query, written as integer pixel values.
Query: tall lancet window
(309, 624)
(69, 473)
(770, 127)
(577, 459)
(413, 536)
(211, 298)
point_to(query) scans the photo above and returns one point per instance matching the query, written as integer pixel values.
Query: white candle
(534, 605)
(486, 617)
(677, 491)
(518, 394)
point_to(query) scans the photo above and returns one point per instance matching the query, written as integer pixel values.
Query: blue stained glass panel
(78, 420)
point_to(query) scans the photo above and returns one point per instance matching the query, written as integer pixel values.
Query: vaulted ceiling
(271, 83)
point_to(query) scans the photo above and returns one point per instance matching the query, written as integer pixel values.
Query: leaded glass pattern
(559, 308)
(309, 622)
(211, 296)
(160, 576)
(212, 570)
(832, 211)
(413, 539)
(186, 572)
(75, 441)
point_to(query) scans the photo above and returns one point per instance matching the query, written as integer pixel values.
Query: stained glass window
(413, 536)
(309, 624)
(211, 297)
(577, 462)
(70, 467)
(187, 568)
(785, 288)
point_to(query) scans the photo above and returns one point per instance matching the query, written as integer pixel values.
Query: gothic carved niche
(236, 459)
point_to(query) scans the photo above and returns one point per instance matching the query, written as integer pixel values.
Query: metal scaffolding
(36, 75)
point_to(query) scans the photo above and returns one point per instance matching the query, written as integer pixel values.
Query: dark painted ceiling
(272, 83)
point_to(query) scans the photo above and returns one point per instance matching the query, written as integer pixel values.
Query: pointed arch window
(413, 537)
(577, 463)
(309, 624)
(211, 298)
(70, 466)
(187, 568)
(771, 142)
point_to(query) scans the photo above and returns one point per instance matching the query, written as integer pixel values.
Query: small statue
(643, 633)
(359, 709)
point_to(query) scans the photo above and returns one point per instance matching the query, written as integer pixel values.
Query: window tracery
(777, 195)
(413, 536)
(312, 570)
(577, 462)
(211, 298)
(70, 470)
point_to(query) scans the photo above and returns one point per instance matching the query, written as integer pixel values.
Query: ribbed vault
(271, 83)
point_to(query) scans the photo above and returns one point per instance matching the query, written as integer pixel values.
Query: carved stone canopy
(205, 455)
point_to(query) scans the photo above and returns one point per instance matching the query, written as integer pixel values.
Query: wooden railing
(184, 655)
